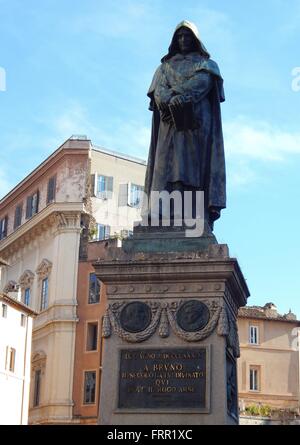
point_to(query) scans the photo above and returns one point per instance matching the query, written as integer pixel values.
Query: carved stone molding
(38, 361)
(227, 327)
(164, 318)
(44, 269)
(26, 279)
(39, 226)
(67, 220)
(11, 286)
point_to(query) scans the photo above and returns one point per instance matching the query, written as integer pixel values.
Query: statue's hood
(193, 28)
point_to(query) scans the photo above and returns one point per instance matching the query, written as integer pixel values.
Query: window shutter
(37, 202)
(107, 232)
(5, 226)
(123, 195)
(51, 189)
(110, 186)
(16, 221)
(29, 207)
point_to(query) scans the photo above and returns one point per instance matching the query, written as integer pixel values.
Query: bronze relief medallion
(192, 316)
(135, 317)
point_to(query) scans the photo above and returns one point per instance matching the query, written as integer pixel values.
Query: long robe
(193, 157)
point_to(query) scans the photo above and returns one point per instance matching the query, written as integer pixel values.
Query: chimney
(270, 310)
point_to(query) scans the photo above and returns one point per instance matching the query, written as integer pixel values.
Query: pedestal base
(170, 336)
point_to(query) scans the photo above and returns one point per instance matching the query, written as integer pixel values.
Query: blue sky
(75, 67)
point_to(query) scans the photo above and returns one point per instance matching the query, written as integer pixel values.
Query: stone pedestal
(170, 334)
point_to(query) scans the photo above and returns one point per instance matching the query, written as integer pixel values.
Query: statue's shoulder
(156, 78)
(211, 66)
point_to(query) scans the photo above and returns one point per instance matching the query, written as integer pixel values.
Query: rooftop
(267, 312)
(119, 155)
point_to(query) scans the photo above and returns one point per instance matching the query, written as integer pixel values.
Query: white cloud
(132, 137)
(259, 141)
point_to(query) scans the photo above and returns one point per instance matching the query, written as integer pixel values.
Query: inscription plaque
(163, 378)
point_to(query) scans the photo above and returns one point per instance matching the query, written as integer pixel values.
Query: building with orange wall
(80, 192)
(88, 349)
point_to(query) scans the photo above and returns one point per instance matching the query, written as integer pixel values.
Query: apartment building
(78, 194)
(268, 369)
(15, 358)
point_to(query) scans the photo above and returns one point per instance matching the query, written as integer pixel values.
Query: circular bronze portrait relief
(135, 317)
(192, 316)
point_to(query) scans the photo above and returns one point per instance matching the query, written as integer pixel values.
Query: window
(94, 289)
(253, 335)
(92, 337)
(18, 216)
(32, 205)
(103, 186)
(103, 232)
(27, 296)
(4, 310)
(23, 320)
(11, 356)
(37, 387)
(3, 227)
(44, 294)
(254, 379)
(126, 233)
(89, 387)
(135, 195)
(51, 190)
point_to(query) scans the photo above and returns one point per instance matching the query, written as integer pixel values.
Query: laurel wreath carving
(214, 310)
(113, 313)
(164, 317)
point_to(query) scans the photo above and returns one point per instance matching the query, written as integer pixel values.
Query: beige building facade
(45, 224)
(268, 369)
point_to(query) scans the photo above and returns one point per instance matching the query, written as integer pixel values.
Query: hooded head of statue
(197, 45)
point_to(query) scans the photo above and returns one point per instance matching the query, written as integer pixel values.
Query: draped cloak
(193, 157)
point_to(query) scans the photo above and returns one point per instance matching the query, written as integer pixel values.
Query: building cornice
(64, 216)
(68, 148)
(18, 305)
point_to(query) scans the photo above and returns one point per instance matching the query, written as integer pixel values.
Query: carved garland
(227, 327)
(112, 319)
(214, 310)
(44, 269)
(164, 316)
(26, 279)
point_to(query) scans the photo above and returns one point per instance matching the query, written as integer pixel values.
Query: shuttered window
(103, 232)
(32, 205)
(103, 186)
(51, 191)
(3, 227)
(18, 216)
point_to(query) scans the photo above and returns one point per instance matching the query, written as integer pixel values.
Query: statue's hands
(177, 100)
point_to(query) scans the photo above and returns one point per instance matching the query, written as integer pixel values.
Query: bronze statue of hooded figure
(187, 150)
